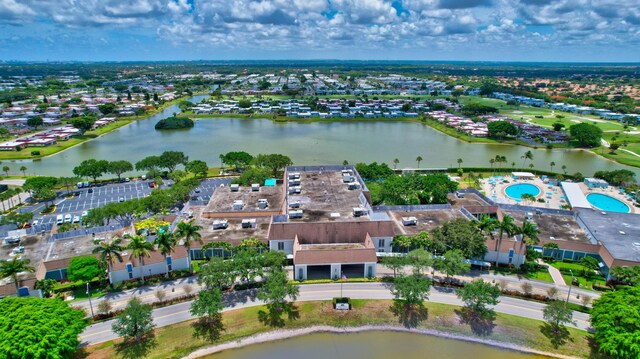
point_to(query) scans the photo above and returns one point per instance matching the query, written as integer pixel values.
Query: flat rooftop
(234, 233)
(560, 227)
(35, 249)
(427, 220)
(324, 193)
(469, 199)
(79, 246)
(223, 199)
(618, 232)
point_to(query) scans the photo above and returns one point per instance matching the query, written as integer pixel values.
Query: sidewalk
(185, 286)
(555, 273)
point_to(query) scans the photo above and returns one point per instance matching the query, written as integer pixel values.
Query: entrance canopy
(523, 174)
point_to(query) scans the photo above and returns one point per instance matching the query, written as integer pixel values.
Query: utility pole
(89, 294)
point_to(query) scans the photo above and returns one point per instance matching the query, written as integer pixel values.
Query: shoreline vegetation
(242, 326)
(25, 154)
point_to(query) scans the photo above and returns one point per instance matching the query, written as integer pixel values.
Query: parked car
(67, 218)
(127, 179)
(76, 219)
(152, 185)
(85, 213)
(17, 250)
(12, 240)
(90, 190)
(59, 219)
(121, 199)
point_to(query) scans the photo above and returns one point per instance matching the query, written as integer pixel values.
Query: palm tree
(6, 170)
(527, 156)
(401, 241)
(188, 232)
(492, 162)
(419, 159)
(564, 169)
(23, 169)
(459, 162)
(11, 268)
(551, 165)
(18, 190)
(486, 225)
(165, 242)
(109, 252)
(508, 226)
(395, 163)
(503, 159)
(140, 248)
(529, 232)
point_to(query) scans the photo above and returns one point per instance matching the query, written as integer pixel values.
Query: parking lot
(93, 197)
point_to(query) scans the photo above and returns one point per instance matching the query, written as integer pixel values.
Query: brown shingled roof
(323, 254)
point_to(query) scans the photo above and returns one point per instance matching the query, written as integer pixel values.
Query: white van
(59, 219)
(67, 218)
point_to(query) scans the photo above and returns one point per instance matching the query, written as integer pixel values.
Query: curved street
(101, 332)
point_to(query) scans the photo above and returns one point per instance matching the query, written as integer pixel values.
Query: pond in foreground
(370, 345)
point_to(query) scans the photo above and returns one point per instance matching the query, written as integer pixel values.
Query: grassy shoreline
(25, 154)
(177, 340)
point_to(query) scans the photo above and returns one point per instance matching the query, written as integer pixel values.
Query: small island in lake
(174, 123)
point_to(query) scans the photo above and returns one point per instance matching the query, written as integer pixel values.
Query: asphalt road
(101, 332)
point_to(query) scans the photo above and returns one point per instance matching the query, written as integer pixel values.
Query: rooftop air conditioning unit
(295, 214)
(220, 224)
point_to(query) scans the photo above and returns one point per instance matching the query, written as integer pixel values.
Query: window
(281, 246)
(511, 253)
(129, 268)
(380, 243)
(130, 275)
(300, 272)
(169, 261)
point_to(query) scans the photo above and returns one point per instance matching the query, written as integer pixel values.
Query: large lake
(370, 345)
(306, 143)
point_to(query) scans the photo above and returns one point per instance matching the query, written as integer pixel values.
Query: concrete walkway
(555, 273)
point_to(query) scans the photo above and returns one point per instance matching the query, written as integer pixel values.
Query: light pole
(89, 295)
(570, 284)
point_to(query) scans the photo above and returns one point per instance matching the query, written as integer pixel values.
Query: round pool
(607, 203)
(517, 190)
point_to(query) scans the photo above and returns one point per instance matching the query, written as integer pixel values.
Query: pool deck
(553, 196)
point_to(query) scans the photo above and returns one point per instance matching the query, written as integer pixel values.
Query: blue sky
(487, 30)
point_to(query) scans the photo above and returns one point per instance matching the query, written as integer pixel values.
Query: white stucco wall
(149, 269)
(387, 244)
(288, 245)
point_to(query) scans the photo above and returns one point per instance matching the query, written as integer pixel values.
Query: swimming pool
(517, 190)
(607, 203)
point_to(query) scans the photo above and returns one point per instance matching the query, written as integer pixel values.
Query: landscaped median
(178, 340)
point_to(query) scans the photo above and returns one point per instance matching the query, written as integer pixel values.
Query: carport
(319, 272)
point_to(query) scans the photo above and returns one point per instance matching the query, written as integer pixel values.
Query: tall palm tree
(13, 267)
(508, 226)
(486, 225)
(459, 162)
(188, 232)
(140, 248)
(395, 163)
(419, 159)
(109, 252)
(23, 169)
(551, 165)
(527, 156)
(529, 232)
(165, 242)
(564, 169)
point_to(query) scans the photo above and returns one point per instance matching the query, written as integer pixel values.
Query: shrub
(35, 153)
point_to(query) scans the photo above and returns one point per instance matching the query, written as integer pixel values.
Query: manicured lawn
(577, 273)
(177, 340)
(542, 274)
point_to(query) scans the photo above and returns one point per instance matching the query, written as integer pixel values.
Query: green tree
(109, 252)
(135, 322)
(557, 314)
(83, 268)
(458, 234)
(586, 134)
(505, 127)
(108, 108)
(119, 167)
(557, 126)
(452, 263)
(420, 260)
(244, 103)
(197, 167)
(508, 226)
(275, 293)
(275, 162)
(477, 294)
(188, 232)
(23, 169)
(46, 286)
(39, 328)
(589, 264)
(419, 159)
(83, 124)
(13, 267)
(526, 156)
(628, 275)
(395, 263)
(165, 242)
(207, 307)
(140, 249)
(529, 232)
(35, 122)
(395, 163)
(171, 159)
(459, 160)
(238, 160)
(149, 163)
(91, 168)
(412, 289)
(552, 164)
(613, 146)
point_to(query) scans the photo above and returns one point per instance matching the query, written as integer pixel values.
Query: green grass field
(177, 340)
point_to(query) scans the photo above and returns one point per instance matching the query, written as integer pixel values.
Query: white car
(85, 213)
(67, 218)
(76, 219)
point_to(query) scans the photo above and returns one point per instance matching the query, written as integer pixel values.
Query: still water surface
(370, 345)
(305, 143)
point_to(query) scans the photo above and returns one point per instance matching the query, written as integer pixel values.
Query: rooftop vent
(621, 232)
